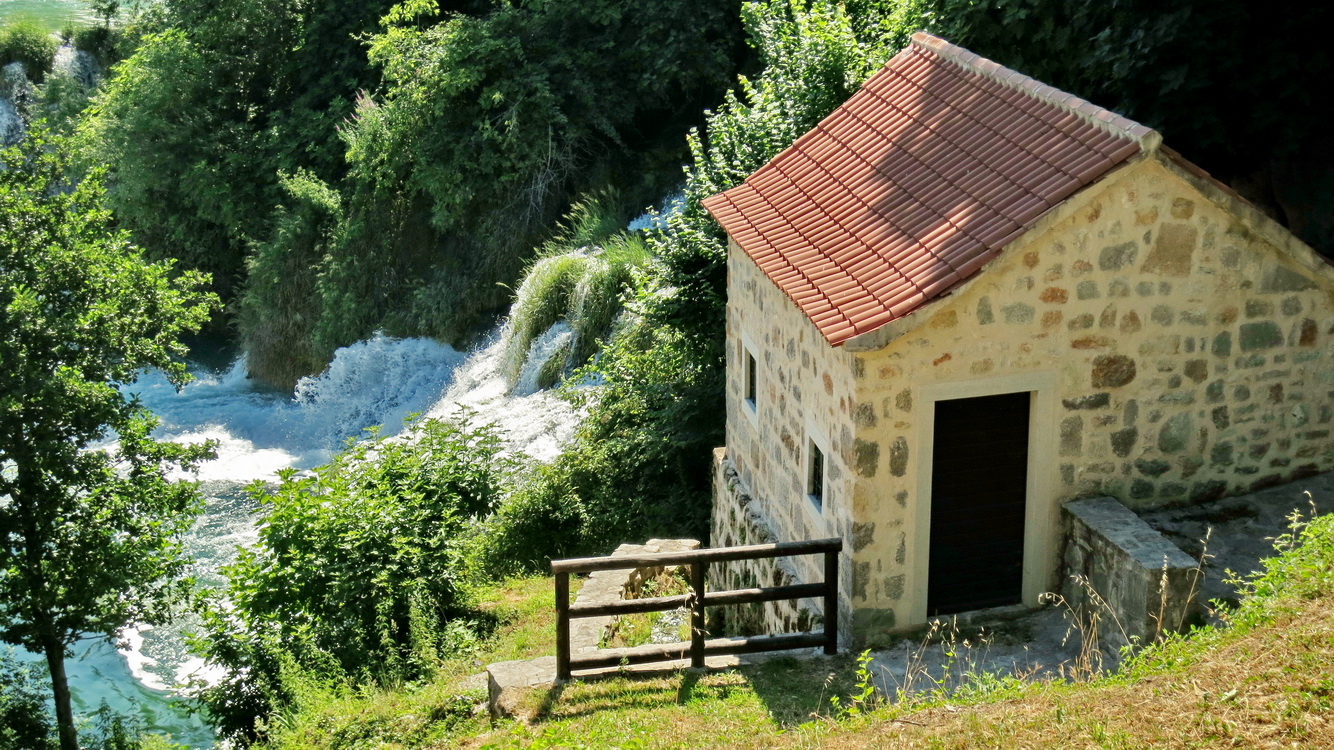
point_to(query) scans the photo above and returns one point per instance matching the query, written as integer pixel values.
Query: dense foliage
(25, 721)
(491, 117)
(28, 43)
(488, 126)
(361, 568)
(229, 93)
(89, 538)
(639, 465)
(282, 302)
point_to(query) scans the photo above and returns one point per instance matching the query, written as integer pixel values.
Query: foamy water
(259, 432)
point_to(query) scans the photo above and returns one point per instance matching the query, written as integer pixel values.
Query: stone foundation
(738, 520)
(1147, 583)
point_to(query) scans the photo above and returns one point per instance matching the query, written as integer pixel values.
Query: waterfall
(381, 381)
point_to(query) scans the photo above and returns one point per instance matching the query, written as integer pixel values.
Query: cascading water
(381, 381)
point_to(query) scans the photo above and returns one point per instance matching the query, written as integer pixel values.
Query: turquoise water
(53, 14)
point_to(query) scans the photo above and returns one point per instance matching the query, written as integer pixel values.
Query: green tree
(89, 537)
(105, 10)
(229, 94)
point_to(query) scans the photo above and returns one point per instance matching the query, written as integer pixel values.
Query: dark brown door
(979, 481)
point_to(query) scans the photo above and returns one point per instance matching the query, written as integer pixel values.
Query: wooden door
(979, 483)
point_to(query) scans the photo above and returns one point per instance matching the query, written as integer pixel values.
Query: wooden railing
(697, 600)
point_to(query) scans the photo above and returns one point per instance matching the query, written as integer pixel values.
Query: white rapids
(258, 432)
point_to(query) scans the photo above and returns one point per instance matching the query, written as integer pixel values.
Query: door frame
(1041, 533)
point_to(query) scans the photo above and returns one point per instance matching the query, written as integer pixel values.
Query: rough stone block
(1172, 252)
(1091, 401)
(517, 689)
(1279, 279)
(1264, 334)
(1147, 581)
(1175, 433)
(1112, 371)
(1117, 257)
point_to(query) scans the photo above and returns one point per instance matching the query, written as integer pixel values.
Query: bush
(25, 720)
(361, 569)
(102, 42)
(27, 42)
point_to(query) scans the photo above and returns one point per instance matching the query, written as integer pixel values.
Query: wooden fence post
(831, 602)
(562, 626)
(697, 614)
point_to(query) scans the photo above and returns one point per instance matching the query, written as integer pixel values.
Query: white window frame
(817, 514)
(750, 407)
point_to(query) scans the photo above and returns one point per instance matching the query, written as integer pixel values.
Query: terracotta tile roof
(914, 183)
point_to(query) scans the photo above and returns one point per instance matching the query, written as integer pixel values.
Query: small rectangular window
(815, 475)
(750, 380)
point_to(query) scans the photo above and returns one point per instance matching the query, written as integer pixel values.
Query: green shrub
(102, 42)
(361, 569)
(62, 99)
(27, 42)
(280, 306)
(543, 299)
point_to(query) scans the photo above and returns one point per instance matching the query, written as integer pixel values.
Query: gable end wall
(1183, 358)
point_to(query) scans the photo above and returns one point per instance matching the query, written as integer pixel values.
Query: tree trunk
(55, 662)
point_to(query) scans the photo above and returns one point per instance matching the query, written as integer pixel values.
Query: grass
(1264, 680)
(425, 714)
(638, 629)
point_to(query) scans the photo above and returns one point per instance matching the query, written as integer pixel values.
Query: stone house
(966, 298)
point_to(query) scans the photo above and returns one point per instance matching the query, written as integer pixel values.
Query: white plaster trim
(749, 408)
(1041, 514)
(818, 519)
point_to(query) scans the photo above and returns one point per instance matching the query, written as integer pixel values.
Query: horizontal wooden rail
(613, 657)
(630, 606)
(697, 600)
(720, 554)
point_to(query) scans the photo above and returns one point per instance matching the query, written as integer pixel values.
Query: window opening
(750, 380)
(815, 476)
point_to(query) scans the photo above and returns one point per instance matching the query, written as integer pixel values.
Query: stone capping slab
(1147, 582)
(1129, 532)
(513, 687)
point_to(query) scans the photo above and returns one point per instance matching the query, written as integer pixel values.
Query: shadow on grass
(785, 689)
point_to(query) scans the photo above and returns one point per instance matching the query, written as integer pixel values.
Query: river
(377, 382)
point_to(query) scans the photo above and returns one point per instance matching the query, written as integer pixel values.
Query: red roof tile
(915, 182)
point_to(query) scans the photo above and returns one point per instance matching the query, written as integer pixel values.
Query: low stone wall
(514, 688)
(607, 586)
(738, 520)
(1148, 583)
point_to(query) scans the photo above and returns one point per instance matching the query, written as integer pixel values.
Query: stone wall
(739, 519)
(1119, 569)
(1185, 358)
(805, 389)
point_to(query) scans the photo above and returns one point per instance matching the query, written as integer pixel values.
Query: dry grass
(1271, 688)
